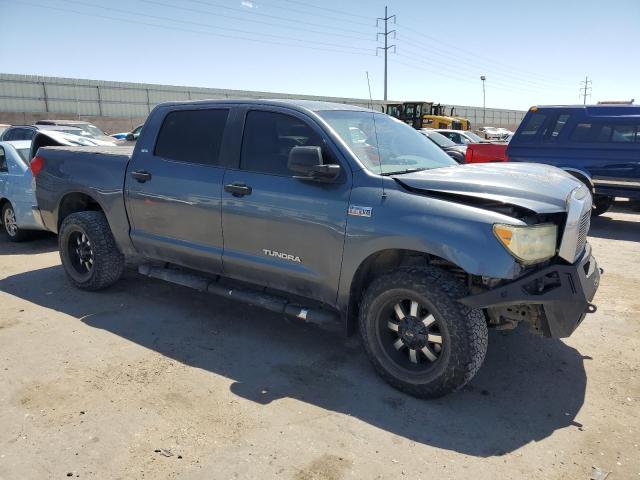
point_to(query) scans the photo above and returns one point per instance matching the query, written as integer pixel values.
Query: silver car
(16, 194)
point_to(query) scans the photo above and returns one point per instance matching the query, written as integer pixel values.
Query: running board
(256, 298)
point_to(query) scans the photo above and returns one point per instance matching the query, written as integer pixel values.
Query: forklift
(426, 115)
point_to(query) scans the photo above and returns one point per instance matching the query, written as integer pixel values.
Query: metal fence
(97, 98)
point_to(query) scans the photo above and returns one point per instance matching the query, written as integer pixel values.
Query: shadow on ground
(38, 242)
(619, 228)
(527, 389)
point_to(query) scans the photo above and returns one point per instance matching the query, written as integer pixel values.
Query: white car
(461, 137)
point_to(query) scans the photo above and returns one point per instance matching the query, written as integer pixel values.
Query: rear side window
(605, 133)
(532, 127)
(556, 126)
(269, 137)
(193, 136)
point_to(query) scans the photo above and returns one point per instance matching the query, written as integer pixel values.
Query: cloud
(247, 4)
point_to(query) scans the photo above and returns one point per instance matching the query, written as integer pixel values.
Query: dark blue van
(599, 144)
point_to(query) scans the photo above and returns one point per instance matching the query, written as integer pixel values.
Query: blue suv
(598, 144)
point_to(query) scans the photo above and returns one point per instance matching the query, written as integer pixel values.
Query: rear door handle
(141, 175)
(238, 189)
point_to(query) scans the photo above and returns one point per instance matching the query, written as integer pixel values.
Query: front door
(280, 231)
(174, 190)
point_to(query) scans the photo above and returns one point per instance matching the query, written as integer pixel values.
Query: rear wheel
(88, 251)
(601, 204)
(10, 224)
(418, 336)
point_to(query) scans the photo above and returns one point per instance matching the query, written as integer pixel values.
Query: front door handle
(238, 189)
(141, 175)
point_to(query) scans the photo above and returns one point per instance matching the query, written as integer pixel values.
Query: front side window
(390, 146)
(193, 136)
(624, 134)
(556, 126)
(531, 128)
(269, 137)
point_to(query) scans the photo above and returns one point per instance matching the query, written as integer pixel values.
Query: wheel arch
(383, 261)
(583, 176)
(74, 202)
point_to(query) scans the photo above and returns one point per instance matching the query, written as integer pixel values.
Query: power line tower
(585, 89)
(386, 47)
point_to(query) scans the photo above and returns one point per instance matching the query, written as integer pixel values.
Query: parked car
(388, 235)
(16, 194)
(598, 144)
(457, 152)
(493, 133)
(88, 129)
(461, 137)
(131, 136)
(27, 132)
(486, 152)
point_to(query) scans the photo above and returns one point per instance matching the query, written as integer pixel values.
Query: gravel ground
(151, 380)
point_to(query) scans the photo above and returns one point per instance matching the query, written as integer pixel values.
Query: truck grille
(583, 229)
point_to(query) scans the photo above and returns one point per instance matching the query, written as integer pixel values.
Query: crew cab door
(174, 185)
(280, 231)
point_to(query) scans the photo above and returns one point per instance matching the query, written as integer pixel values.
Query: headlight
(529, 244)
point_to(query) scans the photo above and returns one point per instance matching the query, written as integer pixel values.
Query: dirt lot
(151, 380)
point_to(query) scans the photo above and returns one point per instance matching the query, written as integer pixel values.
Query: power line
(585, 89)
(331, 17)
(261, 22)
(245, 11)
(174, 28)
(458, 50)
(341, 12)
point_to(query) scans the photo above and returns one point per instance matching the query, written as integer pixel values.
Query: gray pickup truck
(330, 212)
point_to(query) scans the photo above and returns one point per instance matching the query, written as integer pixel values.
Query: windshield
(24, 154)
(474, 137)
(439, 139)
(390, 147)
(89, 130)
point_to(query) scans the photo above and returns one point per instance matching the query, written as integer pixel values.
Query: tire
(601, 204)
(462, 331)
(15, 233)
(88, 251)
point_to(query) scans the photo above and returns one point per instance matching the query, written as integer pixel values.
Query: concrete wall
(120, 106)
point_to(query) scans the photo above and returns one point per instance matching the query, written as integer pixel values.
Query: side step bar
(252, 297)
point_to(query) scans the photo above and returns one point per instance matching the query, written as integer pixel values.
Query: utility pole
(386, 47)
(484, 104)
(585, 89)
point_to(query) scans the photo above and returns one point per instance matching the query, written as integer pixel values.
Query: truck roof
(310, 105)
(597, 110)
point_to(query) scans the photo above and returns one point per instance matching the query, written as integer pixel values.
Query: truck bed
(486, 152)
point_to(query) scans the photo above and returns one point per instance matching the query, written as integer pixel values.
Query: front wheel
(88, 251)
(10, 224)
(418, 336)
(601, 204)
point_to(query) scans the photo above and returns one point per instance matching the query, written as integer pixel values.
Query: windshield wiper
(400, 172)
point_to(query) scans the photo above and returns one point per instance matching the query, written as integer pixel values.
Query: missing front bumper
(564, 293)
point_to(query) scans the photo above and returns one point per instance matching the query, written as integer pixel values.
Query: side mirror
(130, 137)
(307, 162)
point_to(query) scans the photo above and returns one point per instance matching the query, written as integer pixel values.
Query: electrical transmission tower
(386, 47)
(585, 89)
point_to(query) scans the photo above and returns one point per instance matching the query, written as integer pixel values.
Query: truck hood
(539, 188)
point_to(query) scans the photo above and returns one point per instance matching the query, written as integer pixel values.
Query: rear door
(174, 189)
(283, 232)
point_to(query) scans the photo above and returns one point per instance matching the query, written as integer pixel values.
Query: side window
(531, 128)
(269, 137)
(3, 161)
(9, 135)
(624, 133)
(193, 136)
(581, 133)
(553, 130)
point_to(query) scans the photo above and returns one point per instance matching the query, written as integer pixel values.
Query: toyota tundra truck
(328, 212)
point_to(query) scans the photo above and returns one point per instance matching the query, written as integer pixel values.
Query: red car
(486, 152)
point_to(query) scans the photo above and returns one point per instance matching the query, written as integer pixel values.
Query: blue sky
(532, 52)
